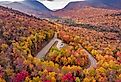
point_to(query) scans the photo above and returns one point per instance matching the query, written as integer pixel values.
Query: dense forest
(23, 36)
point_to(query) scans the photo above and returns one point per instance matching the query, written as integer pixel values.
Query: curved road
(93, 61)
(46, 49)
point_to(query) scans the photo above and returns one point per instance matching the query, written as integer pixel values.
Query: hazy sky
(56, 4)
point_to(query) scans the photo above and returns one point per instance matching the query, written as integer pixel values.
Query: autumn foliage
(23, 36)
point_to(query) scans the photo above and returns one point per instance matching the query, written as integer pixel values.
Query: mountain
(31, 7)
(104, 13)
(115, 4)
(4, 2)
(109, 4)
(36, 5)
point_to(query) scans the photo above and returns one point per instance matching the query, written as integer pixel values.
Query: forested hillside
(23, 36)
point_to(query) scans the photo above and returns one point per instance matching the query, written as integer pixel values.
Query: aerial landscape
(60, 40)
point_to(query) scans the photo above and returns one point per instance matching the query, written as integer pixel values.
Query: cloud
(56, 4)
(62, 0)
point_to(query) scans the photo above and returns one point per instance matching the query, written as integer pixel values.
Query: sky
(52, 4)
(57, 4)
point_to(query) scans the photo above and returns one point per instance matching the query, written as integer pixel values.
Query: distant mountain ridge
(36, 5)
(36, 8)
(31, 7)
(112, 4)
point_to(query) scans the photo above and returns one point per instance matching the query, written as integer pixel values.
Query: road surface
(46, 49)
(93, 61)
